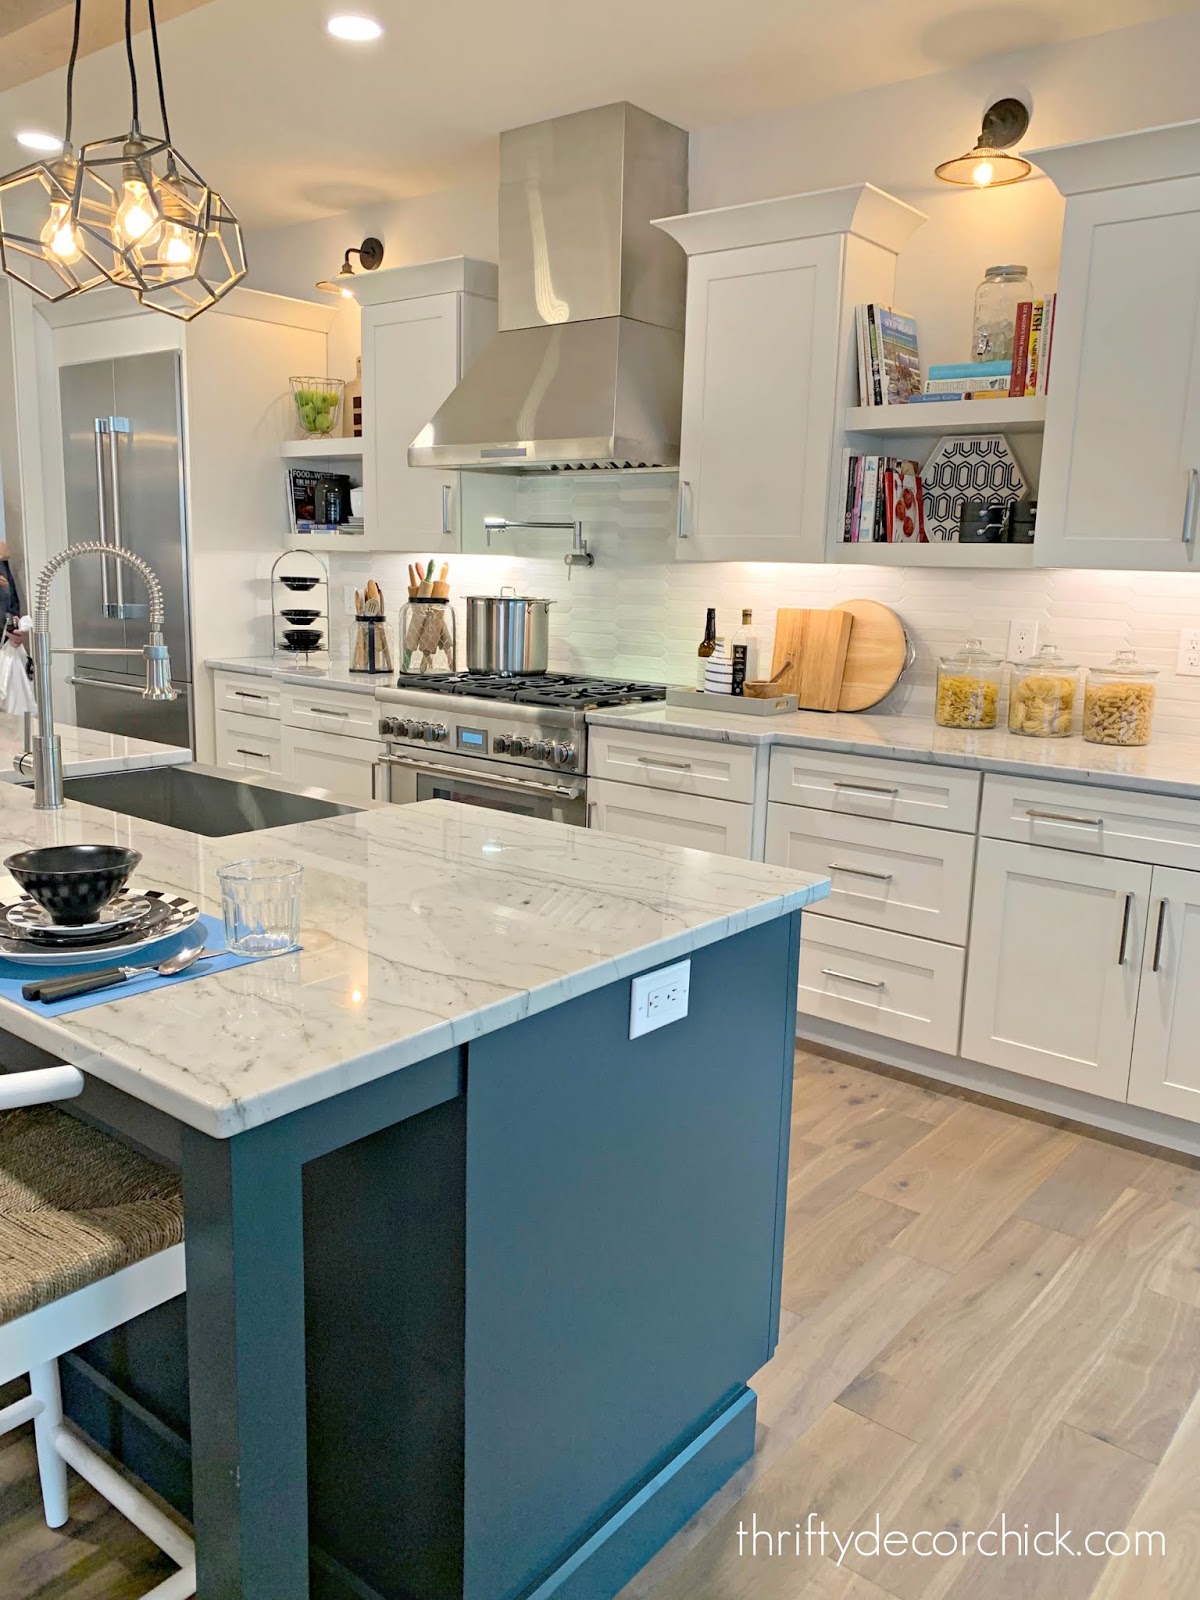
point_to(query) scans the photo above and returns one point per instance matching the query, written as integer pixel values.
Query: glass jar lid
(1010, 271)
(973, 657)
(1048, 659)
(1124, 664)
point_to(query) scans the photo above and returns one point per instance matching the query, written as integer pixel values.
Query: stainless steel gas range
(506, 743)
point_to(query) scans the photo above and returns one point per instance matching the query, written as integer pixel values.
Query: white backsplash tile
(639, 613)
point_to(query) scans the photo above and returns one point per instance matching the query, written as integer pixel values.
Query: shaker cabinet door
(760, 362)
(1055, 955)
(1166, 1053)
(410, 364)
(1120, 480)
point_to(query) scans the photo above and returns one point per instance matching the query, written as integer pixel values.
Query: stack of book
(883, 499)
(1025, 375)
(889, 363)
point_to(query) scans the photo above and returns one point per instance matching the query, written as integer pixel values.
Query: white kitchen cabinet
(422, 327)
(722, 827)
(1165, 1075)
(1120, 482)
(331, 761)
(249, 743)
(676, 764)
(1055, 954)
(770, 363)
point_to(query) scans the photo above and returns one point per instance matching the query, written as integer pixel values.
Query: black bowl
(73, 881)
(300, 619)
(303, 638)
(300, 585)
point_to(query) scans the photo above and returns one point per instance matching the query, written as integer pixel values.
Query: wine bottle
(707, 645)
(744, 664)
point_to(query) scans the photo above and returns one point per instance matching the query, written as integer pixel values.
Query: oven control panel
(532, 745)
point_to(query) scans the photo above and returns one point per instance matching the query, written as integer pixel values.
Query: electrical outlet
(657, 998)
(1023, 638)
(1188, 664)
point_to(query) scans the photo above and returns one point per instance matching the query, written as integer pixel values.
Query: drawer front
(722, 827)
(863, 786)
(885, 983)
(683, 766)
(1116, 823)
(330, 761)
(886, 874)
(349, 715)
(249, 697)
(249, 743)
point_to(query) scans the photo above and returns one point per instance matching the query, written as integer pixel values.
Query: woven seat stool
(91, 1236)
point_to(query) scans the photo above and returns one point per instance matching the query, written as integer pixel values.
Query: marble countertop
(1170, 765)
(86, 751)
(424, 926)
(333, 675)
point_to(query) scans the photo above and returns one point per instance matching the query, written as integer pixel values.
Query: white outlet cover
(657, 998)
(1023, 635)
(1188, 663)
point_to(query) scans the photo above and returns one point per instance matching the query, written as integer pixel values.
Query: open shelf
(321, 449)
(950, 416)
(943, 557)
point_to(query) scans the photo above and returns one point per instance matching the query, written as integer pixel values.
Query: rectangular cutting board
(815, 642)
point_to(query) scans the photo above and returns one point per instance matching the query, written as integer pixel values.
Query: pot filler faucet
(577, 556)
(47, 748)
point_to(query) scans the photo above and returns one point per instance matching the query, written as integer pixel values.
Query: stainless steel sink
(206, 800)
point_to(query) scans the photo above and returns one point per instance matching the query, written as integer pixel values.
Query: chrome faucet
(577, 556)
(47, 747)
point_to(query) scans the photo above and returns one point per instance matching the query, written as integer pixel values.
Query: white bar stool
(91, 1236)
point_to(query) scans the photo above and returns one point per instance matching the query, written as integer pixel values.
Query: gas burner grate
(537, 689)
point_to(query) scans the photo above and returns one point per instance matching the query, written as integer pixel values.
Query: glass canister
(1118, 702)
(1041, 695)
(996, 302)
(968, 688)
(429, 636)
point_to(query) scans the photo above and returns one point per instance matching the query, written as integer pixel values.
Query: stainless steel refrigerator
(123, 452)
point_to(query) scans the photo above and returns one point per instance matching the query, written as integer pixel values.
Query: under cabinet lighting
(354, 29)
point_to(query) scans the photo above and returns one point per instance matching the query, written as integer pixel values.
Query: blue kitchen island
(476, 1281)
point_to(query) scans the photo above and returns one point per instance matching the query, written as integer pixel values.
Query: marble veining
(424, 926)
(86, 751)
(335, 674)
(1170, 765)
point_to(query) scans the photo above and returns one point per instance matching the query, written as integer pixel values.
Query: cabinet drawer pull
(1189, 506)
(1126, 915)
(328, 711)
(1061, 816)
(861, 872)
(667, 766)
(848, 977)
(1158, 935)
(247, 694)
(259, 755)
(866, 788)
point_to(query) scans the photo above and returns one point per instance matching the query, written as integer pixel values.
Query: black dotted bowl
(73, 881)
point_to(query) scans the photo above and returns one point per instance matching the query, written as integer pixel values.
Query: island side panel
(623, 1251)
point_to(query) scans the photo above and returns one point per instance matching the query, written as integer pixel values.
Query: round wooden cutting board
(876, 657)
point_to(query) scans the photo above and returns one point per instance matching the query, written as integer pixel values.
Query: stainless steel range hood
(587, 369)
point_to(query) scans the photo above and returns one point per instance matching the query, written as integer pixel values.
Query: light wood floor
(986, 1313)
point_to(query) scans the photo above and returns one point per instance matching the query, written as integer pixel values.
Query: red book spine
(1020, 360)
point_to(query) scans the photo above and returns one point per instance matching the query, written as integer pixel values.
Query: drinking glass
(260, 901)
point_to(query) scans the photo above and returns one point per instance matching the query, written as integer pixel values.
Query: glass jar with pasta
(1041, 695)
(968, 688)
(1118, 702)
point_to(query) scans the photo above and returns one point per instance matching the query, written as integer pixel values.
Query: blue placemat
(14, 974)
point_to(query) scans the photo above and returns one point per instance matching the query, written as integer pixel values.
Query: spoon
(110, 977)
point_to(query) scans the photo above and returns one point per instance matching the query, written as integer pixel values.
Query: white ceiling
(292, 125)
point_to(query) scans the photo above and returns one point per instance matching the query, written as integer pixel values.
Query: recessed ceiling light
(33, 140)
(358, 30)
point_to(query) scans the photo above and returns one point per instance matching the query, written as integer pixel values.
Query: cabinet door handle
(685, 489)
(667, 766)
(1060, 816)
(258, 754)
(861, 872)
(328, 711)
(248, 694)
(848, 977)
(1125, 918)
(866, 788)
(1158, 935)
(1190, 504)
(447, 530)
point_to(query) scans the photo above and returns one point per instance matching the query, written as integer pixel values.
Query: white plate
(113, 953)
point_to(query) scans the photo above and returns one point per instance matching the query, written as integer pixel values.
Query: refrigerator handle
(102, 513)
(116, 427)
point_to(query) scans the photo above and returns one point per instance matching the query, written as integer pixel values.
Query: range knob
(542, 750)
(562, 754)
(500, 744)
(519, 745)
(388, 727)
(435, 732)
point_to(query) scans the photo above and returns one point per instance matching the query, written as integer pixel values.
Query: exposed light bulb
(983, 174)
(135, 214)
(59, 235)
(180, 248)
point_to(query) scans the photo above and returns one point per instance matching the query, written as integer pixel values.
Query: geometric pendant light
(40, 243)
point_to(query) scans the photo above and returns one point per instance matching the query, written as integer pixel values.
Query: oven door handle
(435, 769)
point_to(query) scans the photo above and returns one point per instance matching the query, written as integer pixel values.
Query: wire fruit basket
(318, 405)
